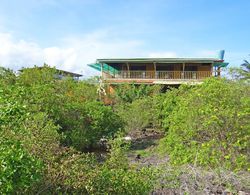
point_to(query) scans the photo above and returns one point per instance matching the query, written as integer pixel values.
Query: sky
(69, 34)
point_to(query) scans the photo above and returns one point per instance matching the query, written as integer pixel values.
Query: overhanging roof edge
(159, 60)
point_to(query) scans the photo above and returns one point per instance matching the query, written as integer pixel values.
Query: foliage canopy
(209, 125)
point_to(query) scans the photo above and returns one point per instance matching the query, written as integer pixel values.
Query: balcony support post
(155, 73)
(215, 71)
(218, 71)
(183, 71)
(128, 70)
(102, 70)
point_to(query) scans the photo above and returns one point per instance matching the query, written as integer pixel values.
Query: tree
(245, 70)
(241, 73)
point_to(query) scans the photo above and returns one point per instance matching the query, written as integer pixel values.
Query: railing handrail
(145, 74)
(161, 71)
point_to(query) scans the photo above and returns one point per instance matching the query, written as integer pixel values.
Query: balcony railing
(161, 75)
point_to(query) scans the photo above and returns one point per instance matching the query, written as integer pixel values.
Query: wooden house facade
(167, 71)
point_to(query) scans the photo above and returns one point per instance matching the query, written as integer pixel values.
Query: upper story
(173, 71)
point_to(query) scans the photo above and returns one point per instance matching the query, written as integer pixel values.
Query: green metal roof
(105, 67)
(221, 64)
(159, 60)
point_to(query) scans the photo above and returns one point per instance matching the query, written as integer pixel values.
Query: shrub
(45, 93)
(37, 76)
(84, 125)
(70, 104)
(28, 144)
(210, 126)
(66, 173)
(63, 171)
(18, 169)
(139, 114)
(116, 176)
(7, 77)
(31, 110)
(35, 131)
(127, 93)
(167, 102)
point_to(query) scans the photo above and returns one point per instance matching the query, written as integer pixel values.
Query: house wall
(150, 67)
(200, 67)
(151, 71)
(174, 69)
(204, 68)
(124, 67)
(177, 69)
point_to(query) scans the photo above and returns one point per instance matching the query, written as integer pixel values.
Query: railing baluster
(162, 75)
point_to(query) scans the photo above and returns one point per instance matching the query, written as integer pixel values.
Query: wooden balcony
(175, 77)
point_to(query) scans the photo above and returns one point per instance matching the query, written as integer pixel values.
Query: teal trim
(221, 64)
(106, 67)
(158, 60)
(95, 66)
(221, 54)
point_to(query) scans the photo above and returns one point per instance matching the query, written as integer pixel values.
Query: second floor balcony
(158, 75)
(169, 71)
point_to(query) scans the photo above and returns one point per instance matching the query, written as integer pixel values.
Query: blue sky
(69, 34)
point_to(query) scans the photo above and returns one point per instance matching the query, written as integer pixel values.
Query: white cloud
(73, 54)
(15, 54)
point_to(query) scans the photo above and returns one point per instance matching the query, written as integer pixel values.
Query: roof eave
(159, 60)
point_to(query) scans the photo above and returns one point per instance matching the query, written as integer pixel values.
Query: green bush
(84, 125)
(66, 173)
(116, 176)
(127, 93)
(210, 126)
(18, 169)
(120, 181)
(206, 125)
(33, 111)
(7, 77)
(139, 114)
(42, 92)
(167, 102)
(36, 131)
(28, 144)
(70, 104)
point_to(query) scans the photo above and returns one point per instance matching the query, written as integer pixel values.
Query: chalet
(167, 71)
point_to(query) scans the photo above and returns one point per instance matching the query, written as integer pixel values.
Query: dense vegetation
(49, 129)
(209, 125)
